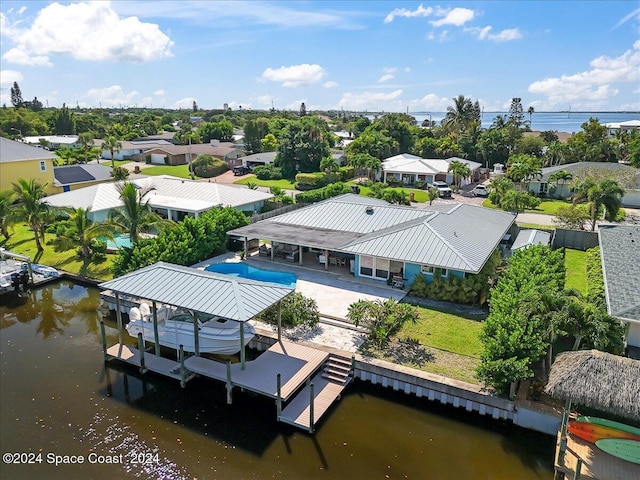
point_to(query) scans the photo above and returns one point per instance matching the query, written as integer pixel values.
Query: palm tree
(433, 194)
(6, 212)
(459, 114)
(555, 153)
(83, 233)
(608, 194)
(499, 187)
(459, 171)
(112, 144)
(32, 209)
(86, 142)
(329, 165)
(136, 215)
(530, 111)
(560, 177)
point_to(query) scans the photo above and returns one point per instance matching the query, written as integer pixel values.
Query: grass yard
(420, 196)
(283, 183)
(22, 241)
(119, 163)
(546, 207)
(575, 263)
(180, 171)
(445, 331)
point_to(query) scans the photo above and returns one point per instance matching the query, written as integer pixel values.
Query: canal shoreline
(432, 387)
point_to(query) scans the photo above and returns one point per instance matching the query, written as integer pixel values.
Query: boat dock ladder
(315, 399)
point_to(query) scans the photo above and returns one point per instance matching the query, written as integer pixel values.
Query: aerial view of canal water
(60, 404)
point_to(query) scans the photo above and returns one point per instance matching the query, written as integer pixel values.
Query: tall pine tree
(16, 96)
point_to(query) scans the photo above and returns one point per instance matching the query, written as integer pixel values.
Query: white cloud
(184, 103)
(239, 105)
(634, 14)
(403, 12)
(7, 77)
(112, 96)
(370, 100)
(389, 70)
(159, 93)
(386, 77)
(265, 100)
(295, 105)
(21, 57)
(594, 84)
(330, 84)
(457, 17)
(407, 69)
(85, 31)
(430, 102)
(295, 75)
(484, 33)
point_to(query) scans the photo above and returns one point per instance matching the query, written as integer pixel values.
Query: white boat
(215, 334)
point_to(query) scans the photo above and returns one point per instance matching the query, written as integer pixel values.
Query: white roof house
(55, 141)
(627, 127)
(409, 168)
(171, 196)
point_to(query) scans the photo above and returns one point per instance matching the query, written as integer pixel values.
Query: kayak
(628, 450)
(592, 432)
(610, 423)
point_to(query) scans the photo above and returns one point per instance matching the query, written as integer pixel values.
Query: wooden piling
(311, 395)
(141, 350)
(104, 340)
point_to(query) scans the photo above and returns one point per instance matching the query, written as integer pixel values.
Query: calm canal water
(57, 398)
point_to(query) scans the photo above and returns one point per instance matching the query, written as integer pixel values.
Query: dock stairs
(315, 399)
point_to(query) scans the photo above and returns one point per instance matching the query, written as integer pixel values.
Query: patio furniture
(292, 257)
(322, 259)
(264, 251)
(342, 261)
(333, 261)
(397, 281)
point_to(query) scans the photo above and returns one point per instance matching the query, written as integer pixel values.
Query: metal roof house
(20, 160)
(620, 252)
(527, 238)
(380, 240)
(71, 177)
(408, 169)
(171, 197)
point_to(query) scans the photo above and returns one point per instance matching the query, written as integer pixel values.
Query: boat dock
(583, 460)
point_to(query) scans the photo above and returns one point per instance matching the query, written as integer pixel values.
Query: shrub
(147, 159)
(346, 173)
(319, 194)
(382, 318)
(213, 170)
(268, 172)
(296, 310)
(595, 279)
(419, 184)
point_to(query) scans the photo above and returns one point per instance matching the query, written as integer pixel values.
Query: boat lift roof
(233, 298)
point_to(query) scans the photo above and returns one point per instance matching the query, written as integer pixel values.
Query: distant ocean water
(569, 122)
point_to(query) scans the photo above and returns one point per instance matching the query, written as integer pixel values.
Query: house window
(43, 166)
(544, 187)
(366, 266)
(426, 269)
(382, 268)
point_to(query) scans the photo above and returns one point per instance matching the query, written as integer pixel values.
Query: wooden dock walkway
(596, 464)
(295, 364)
(298, 411)
(152, 362)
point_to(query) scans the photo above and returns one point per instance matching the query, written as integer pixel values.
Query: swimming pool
(245, 271)
(119, 240)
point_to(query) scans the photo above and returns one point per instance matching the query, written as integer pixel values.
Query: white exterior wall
(633, 335)
(157, 158)
(631, 198)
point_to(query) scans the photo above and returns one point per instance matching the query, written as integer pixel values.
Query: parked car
(443, 189)
(241, 170)
(480, 191)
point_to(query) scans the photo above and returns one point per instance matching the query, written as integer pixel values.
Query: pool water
(119, 240)
(245, 271)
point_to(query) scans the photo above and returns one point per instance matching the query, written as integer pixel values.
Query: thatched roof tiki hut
(598, 380)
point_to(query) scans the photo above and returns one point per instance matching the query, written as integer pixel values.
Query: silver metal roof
(620, 250)
(229, 297)
(527, 238)
(12, 151)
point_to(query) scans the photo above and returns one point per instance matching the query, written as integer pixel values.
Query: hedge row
(595, 279)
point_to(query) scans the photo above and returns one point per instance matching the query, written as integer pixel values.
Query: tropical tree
(555, 154)
(560, 177)
(112, 144)
(517, 201)
(80, 231)
(499, 188)
(329, 165)
(382, 318)
(607, 193)
(524, 168)
(119, 173)
(6, 212)
(86, 144)
(459, 170)
(135, 216)
(433, 193)
(460, 114)
(32, 209)
(530, 111)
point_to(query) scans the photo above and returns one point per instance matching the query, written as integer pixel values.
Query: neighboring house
(182, 154)
(408, 169)
(171, 197)
(19, 160)
(134, 149)
(380, 240)
(620, 252)
(72, 177)
(540, 186)
(527, 238)
(626, 127)
(54, 142)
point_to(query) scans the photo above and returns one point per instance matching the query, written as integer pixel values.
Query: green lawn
(420, 196)
(283, 183)
(445, 331)
(575, 263)
(21, 241)
(181, 171)
(547, 207)
(118, 163)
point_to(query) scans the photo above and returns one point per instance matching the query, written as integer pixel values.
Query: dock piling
(279, 393)
(104, 340)
(242, 352)
(196, 337)
(155, 328)
(141, 349)
(229, 384)
(311, 395)
(182, 369)
(119, 318)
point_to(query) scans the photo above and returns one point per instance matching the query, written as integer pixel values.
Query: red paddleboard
(592, 432)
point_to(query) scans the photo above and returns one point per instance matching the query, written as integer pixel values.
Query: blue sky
(373, 55)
